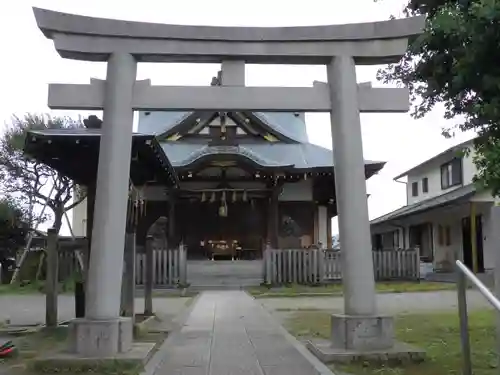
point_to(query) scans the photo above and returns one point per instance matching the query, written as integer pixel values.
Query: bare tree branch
(27, 179)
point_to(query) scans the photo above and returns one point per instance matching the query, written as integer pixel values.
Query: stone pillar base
(100, 338)
(362, 333)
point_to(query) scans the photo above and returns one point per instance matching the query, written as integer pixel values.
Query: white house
(441, 200)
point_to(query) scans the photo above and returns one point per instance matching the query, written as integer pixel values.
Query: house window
(451, 173)
(414, 189)
(425, 185)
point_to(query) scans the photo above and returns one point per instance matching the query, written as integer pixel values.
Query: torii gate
(123, 44)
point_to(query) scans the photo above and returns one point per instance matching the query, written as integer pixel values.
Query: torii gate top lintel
(93, 39)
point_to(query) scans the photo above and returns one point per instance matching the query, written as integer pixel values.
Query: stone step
(202, 288)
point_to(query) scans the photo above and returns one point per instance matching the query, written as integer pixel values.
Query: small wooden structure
(56, 249)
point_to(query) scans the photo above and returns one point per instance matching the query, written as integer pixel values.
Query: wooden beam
(148, 287)
(226, 98)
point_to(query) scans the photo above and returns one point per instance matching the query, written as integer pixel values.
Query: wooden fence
(398, 264)
(293, 266)
(315, 266)
(169, 267)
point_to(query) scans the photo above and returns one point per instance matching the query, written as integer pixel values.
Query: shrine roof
(289, 124)
(293, 157)
(295, 154)
(75, 152)
(68, 147)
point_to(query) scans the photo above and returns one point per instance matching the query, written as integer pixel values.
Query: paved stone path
(229, 333)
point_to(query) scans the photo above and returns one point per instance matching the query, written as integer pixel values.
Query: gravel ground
(30, 309)
(393, 303)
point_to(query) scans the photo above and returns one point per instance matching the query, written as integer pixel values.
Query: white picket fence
(169, 267)
(314, 266)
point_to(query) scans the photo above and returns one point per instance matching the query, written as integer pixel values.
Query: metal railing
(464, 274)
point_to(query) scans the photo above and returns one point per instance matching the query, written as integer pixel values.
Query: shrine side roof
(286, 123)
(74, 153)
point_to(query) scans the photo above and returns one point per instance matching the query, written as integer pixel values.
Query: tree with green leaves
(455, 63)
(34, 183)
(13, 227)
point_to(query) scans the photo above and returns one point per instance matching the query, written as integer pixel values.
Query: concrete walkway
(229, 333)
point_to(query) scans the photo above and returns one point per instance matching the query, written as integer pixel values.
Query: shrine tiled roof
(288, 124)
(296, 155)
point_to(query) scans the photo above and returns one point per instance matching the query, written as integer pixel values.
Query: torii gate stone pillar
(103, 332)
(339, 47)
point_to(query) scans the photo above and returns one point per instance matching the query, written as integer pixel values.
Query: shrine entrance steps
(224, 274)
(228, 332)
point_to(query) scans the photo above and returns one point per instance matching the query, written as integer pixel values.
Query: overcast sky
(29, 62)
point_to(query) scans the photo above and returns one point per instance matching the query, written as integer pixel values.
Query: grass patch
(289, 309)
(30, 345)
(68, 287)
(20, 289)
(107, 367)
(437, 333)
(35, 287)
(35, 344)
(336, 289)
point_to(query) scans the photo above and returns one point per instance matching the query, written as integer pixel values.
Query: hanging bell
(245, 196)
(223, 210)
(203, 197)
(235, 197)
(212, 198)
(223, 197)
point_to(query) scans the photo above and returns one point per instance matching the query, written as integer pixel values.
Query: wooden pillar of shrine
(148, 287)
(173, 239)
(273, 217)
(90, 215)
(329, 239)
(129, 257)
(81, 287)
(52, 282)
(315, 224)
